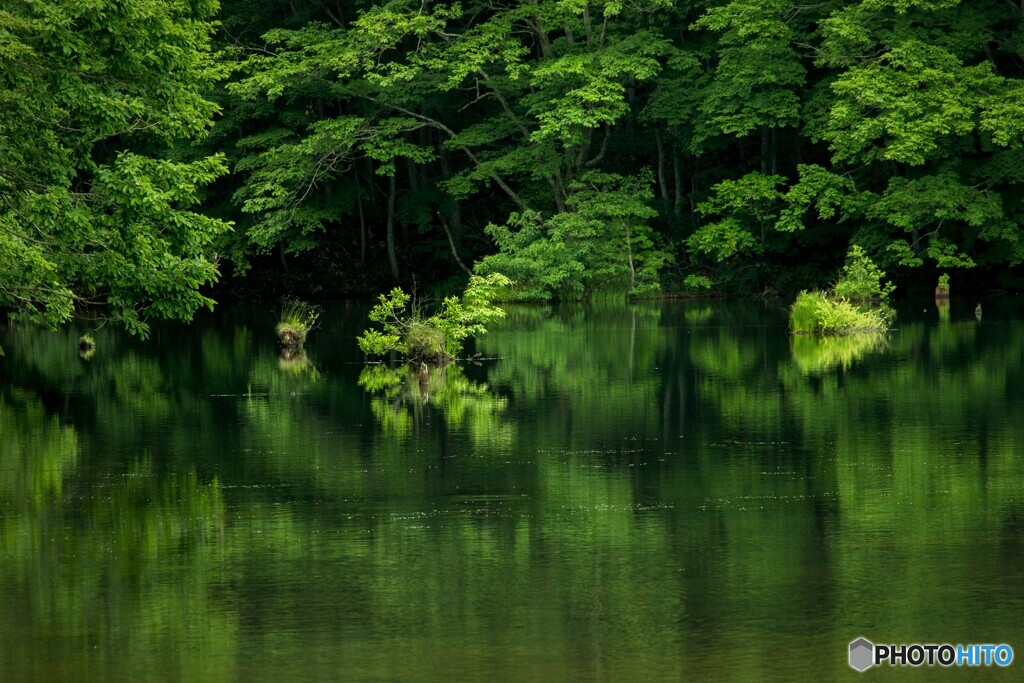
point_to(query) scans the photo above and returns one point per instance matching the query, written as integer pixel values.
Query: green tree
(93, 209)
(432, 107)
(602, 241)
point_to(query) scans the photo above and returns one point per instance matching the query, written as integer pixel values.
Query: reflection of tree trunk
(632, 339)
(392, 256)
(424, 382)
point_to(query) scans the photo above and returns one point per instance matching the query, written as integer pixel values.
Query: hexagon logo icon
(862, 654)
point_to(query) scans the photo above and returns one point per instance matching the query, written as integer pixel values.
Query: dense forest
(156, 154)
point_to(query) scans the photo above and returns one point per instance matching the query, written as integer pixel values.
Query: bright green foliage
(754, 83)
(541, 263)
(861, 281)
(906, 105)
(483, 95)
(746, 210)
(857, 302)
(827, 192)
(763, 137)
(438, 338)
(820, 313)
(749, 141)
(87, 91)
(603, 241)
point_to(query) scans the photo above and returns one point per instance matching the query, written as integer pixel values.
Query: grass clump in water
(858, 302)
(298, 319)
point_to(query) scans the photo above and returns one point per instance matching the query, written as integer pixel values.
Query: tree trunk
(284, 260)
(392, 256)
(775, 153)
(362, 221)
(455, 216)
(629, 256)
(661, 168)
(765, 153)
(556, 190)
(677, 169)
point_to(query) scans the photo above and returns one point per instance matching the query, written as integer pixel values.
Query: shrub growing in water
(856, 303)
(818, 312)
(436, 339)
(298, 319)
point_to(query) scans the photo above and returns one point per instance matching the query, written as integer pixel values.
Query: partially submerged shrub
(856, 303)
(817, 312)
(426, 343)
(436, 339)
(298, 319)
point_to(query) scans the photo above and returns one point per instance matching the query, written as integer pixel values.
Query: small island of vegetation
(857, 302)
(405, 328)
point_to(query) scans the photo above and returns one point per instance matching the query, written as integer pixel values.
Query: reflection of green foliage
(814, 354)
(295, 362)
(382, 379)
(723, 354)
(139, 381)
(639, 462)
(37, 451)
(93, 562)
(403, 391)
(569, 361)
(697, 314)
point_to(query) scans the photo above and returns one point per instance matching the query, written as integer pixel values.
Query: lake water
(664, 491)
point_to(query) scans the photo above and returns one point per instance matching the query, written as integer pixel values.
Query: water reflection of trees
(818, 353)
(86, 557)
(404, 395)
(674, 469)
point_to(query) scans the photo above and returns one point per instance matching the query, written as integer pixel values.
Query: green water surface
(653, 492)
